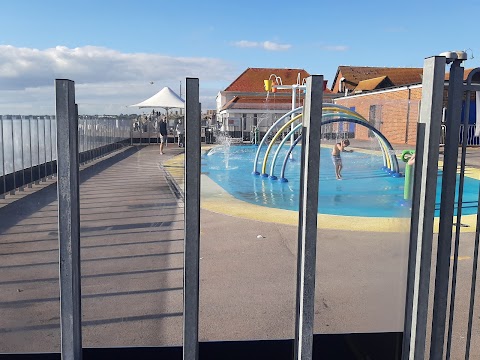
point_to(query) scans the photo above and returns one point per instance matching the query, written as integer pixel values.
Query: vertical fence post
(68, 220)
(2, 196)
(449, 178)
(31, 150)
(473, 73)
(105, 137)
(112, 135)
(45, 147)
(85, 140)
(89, 139)
(80, 141)
(423, 209)
(307, 227)
(38, 152)
(12, 192)
(471, 307)
(192, 222)
(21, 187)
(51, 147)
(149, 128)
(464, 130)
(95, 139)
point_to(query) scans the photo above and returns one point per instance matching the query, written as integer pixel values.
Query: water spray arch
(257, 155)
(356, 121)
(331, 113)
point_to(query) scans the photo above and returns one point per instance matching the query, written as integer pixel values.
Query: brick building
(394, 112)
(388, 97)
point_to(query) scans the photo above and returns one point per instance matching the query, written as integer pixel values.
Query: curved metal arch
(285, 116)
(353, 115)
(356, 121)
(277, 152)
(326, 112)
(275, 137)
(284, 165)
(255, 162)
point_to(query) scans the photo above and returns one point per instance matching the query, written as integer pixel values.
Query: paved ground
(132, 263)
(132, 259)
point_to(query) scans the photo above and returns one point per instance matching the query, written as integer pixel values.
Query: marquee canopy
(165, 98)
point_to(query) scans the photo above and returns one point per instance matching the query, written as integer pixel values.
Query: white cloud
(266, 45)
(246, 43)
(101, 75)
(335, 48)
(270, 45)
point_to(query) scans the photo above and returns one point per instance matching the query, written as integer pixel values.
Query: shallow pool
(365, 190)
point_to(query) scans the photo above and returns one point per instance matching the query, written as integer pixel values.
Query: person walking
(180, 133)
(163, 134)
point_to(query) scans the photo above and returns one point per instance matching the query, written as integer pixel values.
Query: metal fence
(69, 227)
(432, 309)
(420, 269)
(471, 139)
(27, 145)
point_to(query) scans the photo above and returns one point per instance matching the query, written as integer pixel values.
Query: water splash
(224, 142)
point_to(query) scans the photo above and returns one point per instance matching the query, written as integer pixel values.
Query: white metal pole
(294, 101)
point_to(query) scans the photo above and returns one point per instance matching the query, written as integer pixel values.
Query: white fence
(27, 141)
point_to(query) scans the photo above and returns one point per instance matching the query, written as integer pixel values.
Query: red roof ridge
(251, 80)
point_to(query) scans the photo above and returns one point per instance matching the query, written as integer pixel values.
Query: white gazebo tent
(165, 98)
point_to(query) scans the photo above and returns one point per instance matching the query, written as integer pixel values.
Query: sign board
(234, 121)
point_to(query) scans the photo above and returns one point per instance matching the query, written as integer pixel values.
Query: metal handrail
(28, 152)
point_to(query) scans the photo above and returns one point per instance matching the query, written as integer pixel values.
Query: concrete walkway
(132, 259)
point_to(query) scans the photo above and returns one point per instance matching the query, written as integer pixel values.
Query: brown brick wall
(393, 112)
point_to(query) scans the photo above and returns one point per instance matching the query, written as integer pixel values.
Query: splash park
(374, 194)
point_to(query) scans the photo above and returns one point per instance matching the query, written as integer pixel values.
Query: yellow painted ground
(215, 199)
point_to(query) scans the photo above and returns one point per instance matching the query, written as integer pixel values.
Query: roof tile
(372, 84)
(251, 80)
(398, 76)
(256, 102)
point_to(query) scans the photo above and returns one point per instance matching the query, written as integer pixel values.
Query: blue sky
(113, 50)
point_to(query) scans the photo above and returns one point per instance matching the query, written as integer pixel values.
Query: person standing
(180, 133)
(337, 159)
(163, 134)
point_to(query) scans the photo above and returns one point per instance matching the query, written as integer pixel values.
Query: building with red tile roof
(395, 111)
(244, 105)
(347, 78)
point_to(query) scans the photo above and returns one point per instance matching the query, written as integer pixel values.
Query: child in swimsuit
(337, 159)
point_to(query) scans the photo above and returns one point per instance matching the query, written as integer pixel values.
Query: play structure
(331, 113)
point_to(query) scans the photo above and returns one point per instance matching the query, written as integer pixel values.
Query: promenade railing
(28, 152)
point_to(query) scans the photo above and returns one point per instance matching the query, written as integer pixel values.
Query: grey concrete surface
(132, 263)
(132, 259)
